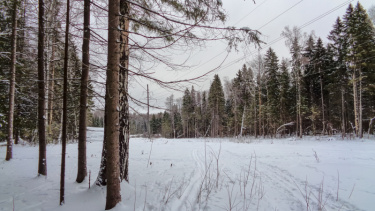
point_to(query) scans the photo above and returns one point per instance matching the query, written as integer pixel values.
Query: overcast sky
(269, 17)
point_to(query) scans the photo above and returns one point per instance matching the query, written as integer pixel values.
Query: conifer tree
(360, 57)
(216, 105)
(285, 98)
(271, 72)
(340, 74)
(187, 111)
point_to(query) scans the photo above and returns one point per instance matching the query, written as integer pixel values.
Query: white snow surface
(252, 174)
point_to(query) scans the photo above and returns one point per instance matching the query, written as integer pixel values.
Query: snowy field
(316, 173)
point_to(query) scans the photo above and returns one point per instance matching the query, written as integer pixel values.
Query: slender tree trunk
(51, 87)
(255, 116)
(102, 175)
(243, 120)
(260, 107)
(343, 128)
(12, 85)
(321, 95)
(46, 71)
(299, 106)
(123, 83)
(112, 102)
(65, 107)
(360, 129)
(82, 166)
(42, 164)
(17, 138)
(356, 104)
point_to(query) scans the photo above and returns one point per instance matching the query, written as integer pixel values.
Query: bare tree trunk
(360, 129)
(356, 104)
(148, 114)
(82, 166)
(123, 92)
(102, 175)
(343, 128)
(112, 102)
(51, 87)
(65, 107)
(42, 164)
(243, 120)
(260, 107)
(299, 106)
(255, 119)
(12, 84)
(321, 95)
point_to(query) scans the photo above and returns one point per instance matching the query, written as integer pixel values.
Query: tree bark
(360, 129)
(42, 164)
(102, 175)
(65, 108)
(321, 95)
(243, 120)
(355, 101)
(51, 87)
(82, 166)
(299, 104)
(123, 92)
(112, 103)
(12, 84)
(343, 128)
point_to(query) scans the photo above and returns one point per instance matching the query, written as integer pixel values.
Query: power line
(236, 24)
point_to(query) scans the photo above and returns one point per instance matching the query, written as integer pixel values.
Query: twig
(351, 191)
(149, 155)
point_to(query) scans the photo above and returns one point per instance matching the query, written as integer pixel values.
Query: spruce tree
(216, 105)
(340, 75)
(272, 83)
(285, 98)
(360, 57)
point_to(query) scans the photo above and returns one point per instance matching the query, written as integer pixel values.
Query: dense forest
(323, 89)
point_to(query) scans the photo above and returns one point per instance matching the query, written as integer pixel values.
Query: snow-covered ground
(203, 174)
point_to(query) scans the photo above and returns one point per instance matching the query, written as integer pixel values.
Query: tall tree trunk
(299, 105)
(243, 120)
(356, 103)
(112, 102)
(82, 166)
(360, 129)
(343, 128)
(12, 84)
(123, 92)
(65, 108)
(322, 97)
(260, 107)
(51, 86)
(102, 175)
(255, 117)
(42, 164)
